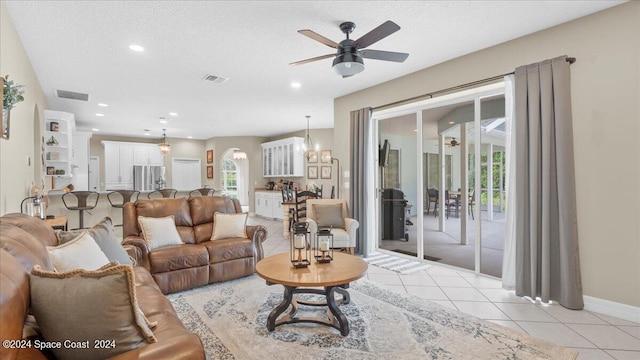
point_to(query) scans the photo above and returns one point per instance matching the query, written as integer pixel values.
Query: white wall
(606, 113)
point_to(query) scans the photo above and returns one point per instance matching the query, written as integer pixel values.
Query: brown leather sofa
(22, 245)
(199, 261)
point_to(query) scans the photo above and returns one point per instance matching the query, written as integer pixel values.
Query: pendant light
(239, 155)
(164, 145)
(308, 143)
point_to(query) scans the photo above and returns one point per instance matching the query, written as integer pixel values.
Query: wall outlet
(346, 174)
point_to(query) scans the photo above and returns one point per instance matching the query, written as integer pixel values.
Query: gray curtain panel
(360, 133)
(547, 257)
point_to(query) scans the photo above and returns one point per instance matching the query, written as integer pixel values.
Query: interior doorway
(94, 173)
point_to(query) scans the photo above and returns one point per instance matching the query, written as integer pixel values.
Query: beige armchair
(335, 213)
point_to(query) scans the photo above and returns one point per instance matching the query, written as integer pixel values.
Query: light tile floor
(594, 335)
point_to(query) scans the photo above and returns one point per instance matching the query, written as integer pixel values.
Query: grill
(394, 212)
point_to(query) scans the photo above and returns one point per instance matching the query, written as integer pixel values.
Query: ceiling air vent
(215, 79)
(63, 94)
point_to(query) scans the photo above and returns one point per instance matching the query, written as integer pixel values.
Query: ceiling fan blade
(317, 37)
(346, 76)
(313, 59)
(384, 55)
(377, 34)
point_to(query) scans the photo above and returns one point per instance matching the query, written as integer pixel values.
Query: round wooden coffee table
(334, 277)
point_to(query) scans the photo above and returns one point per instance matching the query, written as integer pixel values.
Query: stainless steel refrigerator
(148, 178)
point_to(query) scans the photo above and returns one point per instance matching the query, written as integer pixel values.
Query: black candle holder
(299, 245)
(323, 247)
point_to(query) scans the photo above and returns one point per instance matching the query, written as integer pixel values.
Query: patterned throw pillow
(229, 226)
(82, 307)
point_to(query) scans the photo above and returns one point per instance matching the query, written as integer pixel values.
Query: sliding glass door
(428, 169)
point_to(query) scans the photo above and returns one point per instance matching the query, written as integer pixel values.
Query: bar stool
(118, 198)
(80, 201)
(165, 193)
(202, 192)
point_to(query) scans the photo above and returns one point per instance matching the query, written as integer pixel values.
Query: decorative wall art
(209, 172)
(210, 157)
(312, 172)
(312, 156)
(325, 172)
(325, 156)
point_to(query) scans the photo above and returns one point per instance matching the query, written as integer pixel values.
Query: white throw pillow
(80, 253)
(229, 226)
(159, 232)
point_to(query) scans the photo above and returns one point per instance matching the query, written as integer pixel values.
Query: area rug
(399, 264)
(231, 317)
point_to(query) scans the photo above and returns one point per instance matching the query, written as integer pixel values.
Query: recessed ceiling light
(98, 114)
(173, 114)
(451, 122)
(189, 137)
(94, 129)
(147, 132)
(103, 104)
(295, 85)
(135, 47)
(163, 121)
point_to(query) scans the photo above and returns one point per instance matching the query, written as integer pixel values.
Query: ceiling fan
(453, 142)
(348, 58)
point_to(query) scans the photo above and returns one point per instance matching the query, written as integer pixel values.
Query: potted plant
(12, 94)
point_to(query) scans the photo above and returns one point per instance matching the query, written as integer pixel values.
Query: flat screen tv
(384, 154)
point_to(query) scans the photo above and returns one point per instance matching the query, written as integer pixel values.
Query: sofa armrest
(312, 229)
(141, 245)
(134, 253)
(258, 234)
(351, 225)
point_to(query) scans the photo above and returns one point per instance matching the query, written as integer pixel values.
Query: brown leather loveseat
(200, 261)
(22, 246)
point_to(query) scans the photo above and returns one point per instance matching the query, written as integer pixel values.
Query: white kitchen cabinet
(268, 204)
(283, 158)
(118, 165)
(147, 154)
(58, 143)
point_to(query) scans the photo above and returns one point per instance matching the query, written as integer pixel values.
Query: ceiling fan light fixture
(348, 64)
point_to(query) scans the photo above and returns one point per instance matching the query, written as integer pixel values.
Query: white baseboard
(612, 308)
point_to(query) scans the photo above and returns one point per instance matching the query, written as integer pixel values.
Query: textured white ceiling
(82, 46)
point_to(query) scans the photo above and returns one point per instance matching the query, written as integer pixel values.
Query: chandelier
(239, 155)
(308, 143)
(164, 145)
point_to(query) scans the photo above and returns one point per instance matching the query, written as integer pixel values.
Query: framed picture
(210, 159)
(325, 172)
(312, 156)
(209, 172)
(325, 156)
(312, 172)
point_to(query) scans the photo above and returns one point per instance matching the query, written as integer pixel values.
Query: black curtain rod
(570, 60)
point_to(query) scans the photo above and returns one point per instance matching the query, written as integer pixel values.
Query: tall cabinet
(58, 143)
(118, 165)
(283, 158)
